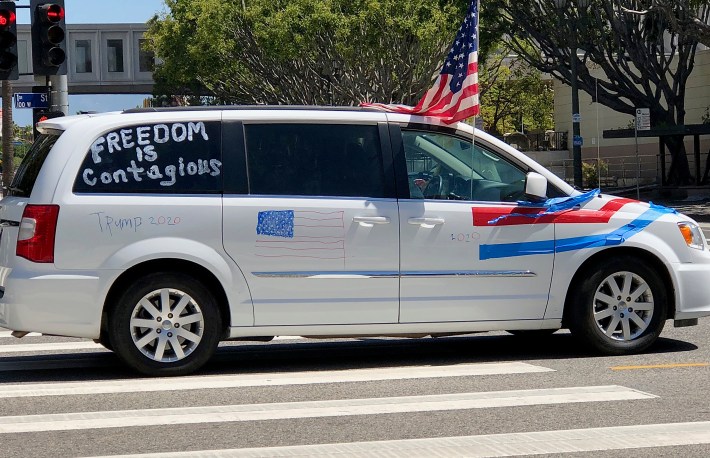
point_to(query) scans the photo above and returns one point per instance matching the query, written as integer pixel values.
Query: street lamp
(561, 6)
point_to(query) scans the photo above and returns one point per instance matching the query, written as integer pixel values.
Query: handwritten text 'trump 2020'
(110, 223)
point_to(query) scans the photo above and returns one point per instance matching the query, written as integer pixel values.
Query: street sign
(577, 140)
(643, 119)
(31, 100)
(576, 117)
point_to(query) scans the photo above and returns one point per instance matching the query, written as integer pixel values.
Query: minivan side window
(177, 157)
(314, 160)
(27, 172)
(445, 167)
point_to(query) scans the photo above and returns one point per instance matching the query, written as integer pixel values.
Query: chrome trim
(393, 274)
(468, 273)
(291, 197)
(328, 274)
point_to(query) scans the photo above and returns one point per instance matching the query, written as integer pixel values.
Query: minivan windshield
(28, 170)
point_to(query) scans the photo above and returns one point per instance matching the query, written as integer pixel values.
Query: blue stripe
(509, 250)
(614, 238)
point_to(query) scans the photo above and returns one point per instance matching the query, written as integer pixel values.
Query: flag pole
(475, 116)
(473, 152)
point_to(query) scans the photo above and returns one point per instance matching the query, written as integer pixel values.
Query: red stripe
(467, 113)
(439, 104)
(616, 204)
(467, 92)
(483, 215)
(443, 84)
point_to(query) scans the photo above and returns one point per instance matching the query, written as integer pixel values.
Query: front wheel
(165, 324)
(619, 307)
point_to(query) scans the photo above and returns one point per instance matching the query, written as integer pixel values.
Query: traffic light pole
(8, 152)
(59, 94)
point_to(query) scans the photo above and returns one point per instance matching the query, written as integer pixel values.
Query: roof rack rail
(251, 107)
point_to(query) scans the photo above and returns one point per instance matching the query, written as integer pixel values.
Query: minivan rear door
(316, 232)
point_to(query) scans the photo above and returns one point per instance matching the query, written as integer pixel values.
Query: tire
(619, 307)
(105, 342)
(148, 337)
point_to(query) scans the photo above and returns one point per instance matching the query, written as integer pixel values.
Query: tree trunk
(8, 152)
(679, 171)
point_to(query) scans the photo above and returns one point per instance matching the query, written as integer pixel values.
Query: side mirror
(535, 187)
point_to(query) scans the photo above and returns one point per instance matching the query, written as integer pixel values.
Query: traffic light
(8, 41)
(49, 46)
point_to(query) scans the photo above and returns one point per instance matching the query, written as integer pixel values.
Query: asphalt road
(706, 229)
(66, 397)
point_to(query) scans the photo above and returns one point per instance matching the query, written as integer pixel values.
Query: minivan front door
(464, 258)
(318, 235)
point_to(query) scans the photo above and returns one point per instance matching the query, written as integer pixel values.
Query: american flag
(300, 234)
(454, 95)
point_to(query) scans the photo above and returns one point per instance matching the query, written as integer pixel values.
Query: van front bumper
(693, 293)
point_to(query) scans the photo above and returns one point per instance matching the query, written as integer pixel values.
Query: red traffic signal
(39, 115)
(8, 18)
(49, 54)
(52, 13)
(8, 41)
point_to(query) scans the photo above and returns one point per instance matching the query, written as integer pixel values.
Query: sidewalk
(695, 206)
(698, 209)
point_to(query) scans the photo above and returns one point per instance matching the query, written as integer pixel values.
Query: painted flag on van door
(300, 234)
(454, 95)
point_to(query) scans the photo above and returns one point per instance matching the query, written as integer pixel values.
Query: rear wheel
(619, 307)
(165, 324)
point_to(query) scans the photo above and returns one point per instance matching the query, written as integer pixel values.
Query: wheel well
(644, 256)
(167, 265)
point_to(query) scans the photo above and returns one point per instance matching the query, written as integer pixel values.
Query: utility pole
(8, 150)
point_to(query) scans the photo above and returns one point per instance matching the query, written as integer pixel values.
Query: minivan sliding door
(317, 237)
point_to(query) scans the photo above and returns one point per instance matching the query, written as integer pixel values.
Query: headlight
(692, 235)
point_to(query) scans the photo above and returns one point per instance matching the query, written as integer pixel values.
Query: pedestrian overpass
(102, 59)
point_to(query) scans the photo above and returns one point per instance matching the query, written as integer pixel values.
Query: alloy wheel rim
(623, 306)
(167, 325)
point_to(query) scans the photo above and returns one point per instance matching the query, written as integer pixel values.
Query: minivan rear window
(174, 157)
(28, 170)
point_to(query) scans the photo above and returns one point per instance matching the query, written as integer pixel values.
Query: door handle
(426, 222)
(368, 221)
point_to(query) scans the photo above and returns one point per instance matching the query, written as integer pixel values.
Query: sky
(96, 12)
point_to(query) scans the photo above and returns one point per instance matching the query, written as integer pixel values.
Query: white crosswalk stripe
(72, 393)
(264, 379)
(310, 409)
(493, 445)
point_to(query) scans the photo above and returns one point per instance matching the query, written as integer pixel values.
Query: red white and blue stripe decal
(565, 214)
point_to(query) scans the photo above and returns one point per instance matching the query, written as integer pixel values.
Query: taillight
(35, 240)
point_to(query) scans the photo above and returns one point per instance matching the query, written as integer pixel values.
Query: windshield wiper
(16, 190)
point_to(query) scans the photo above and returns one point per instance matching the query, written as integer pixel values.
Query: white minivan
(161, 232)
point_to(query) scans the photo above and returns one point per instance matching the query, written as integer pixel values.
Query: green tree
(514, 96)
(322, 52)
